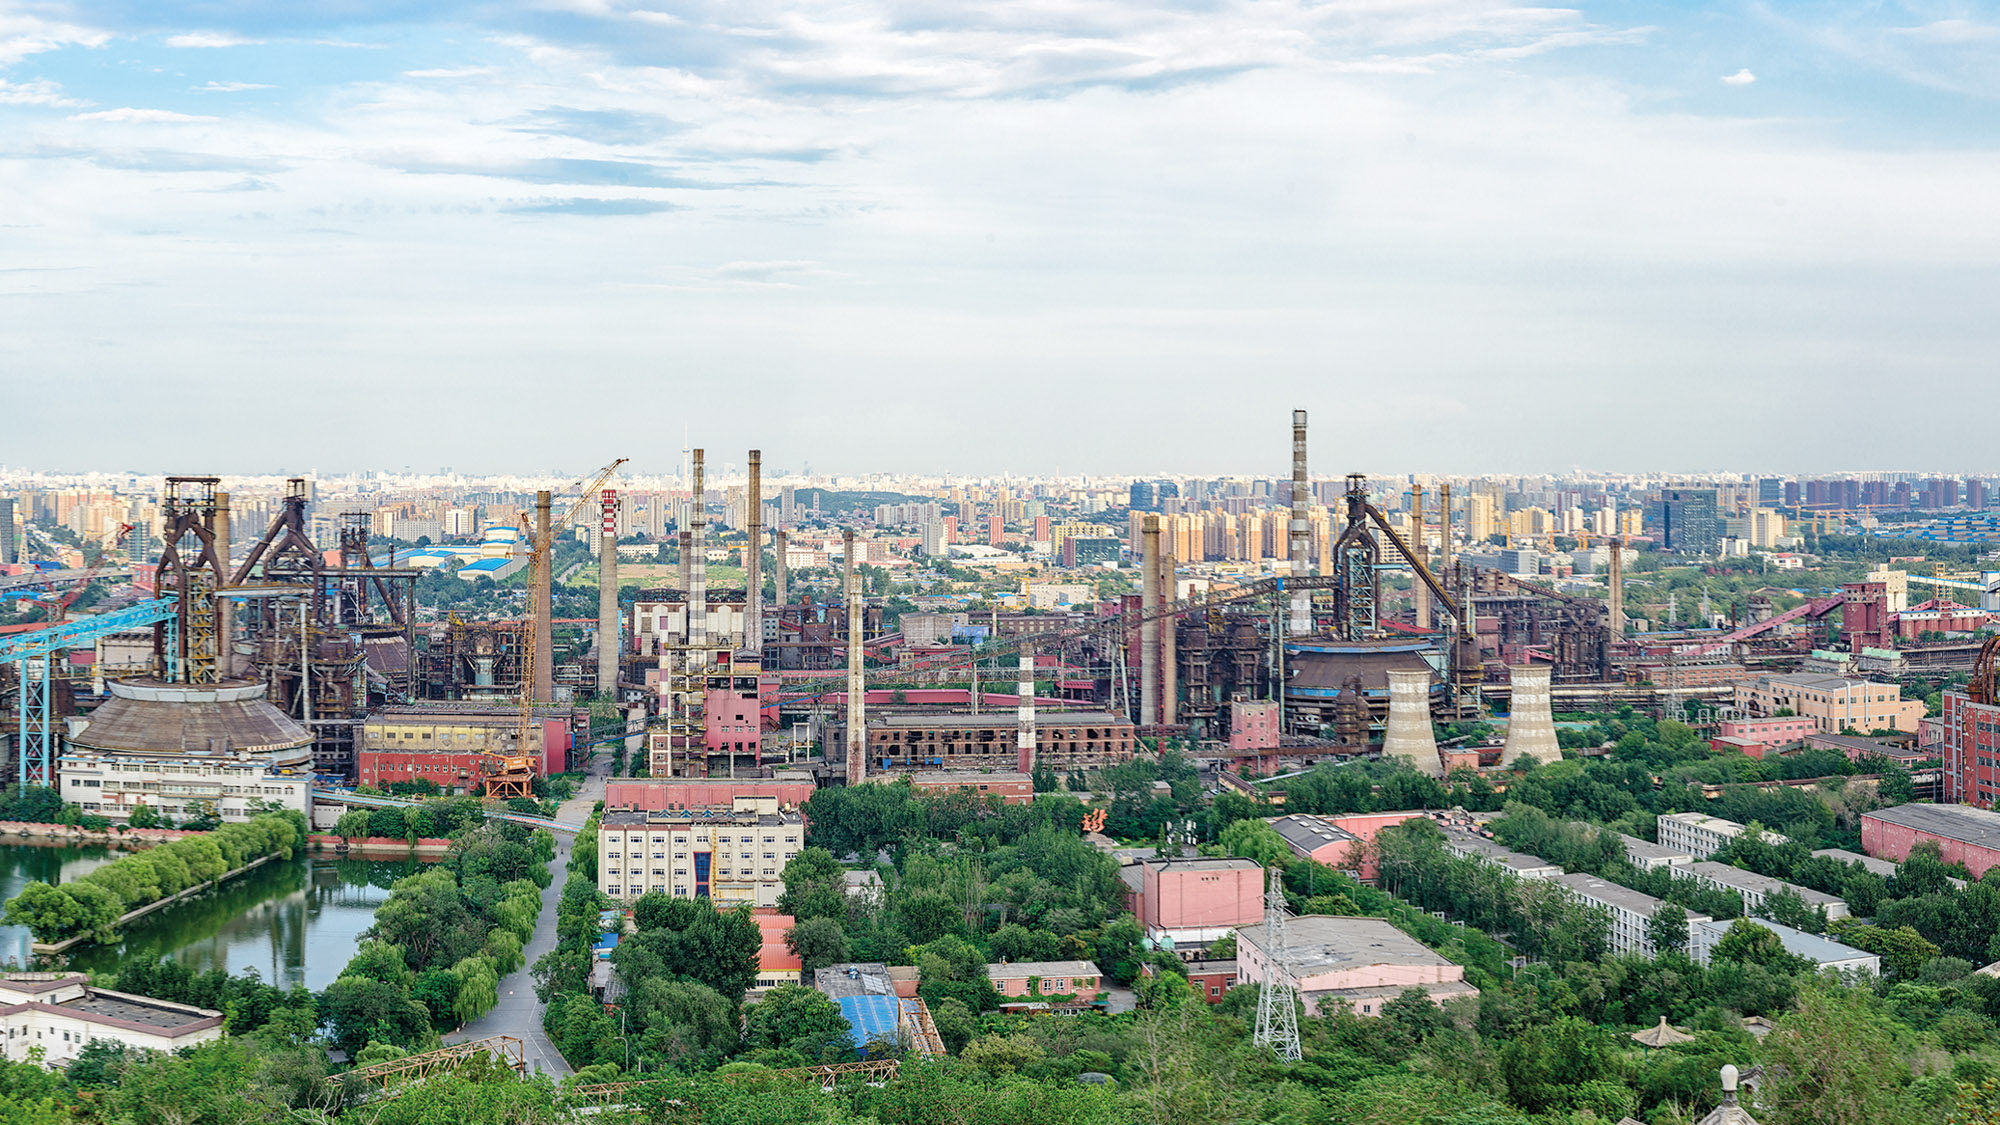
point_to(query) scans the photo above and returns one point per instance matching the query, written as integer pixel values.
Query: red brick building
(1963, 834)
(1971, 750)
(1011, 788)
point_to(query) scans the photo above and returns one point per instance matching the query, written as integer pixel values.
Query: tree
(815, 886)
(1001, 1055)
(1667, 929)
(793, 1017)
(1254, 839)
(352, 825)
(1836, 1062)
(143, 816)
(817, 943)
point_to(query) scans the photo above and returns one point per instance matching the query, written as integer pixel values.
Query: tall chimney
(1024, 736)
(697, 588)
(1444, 529)
(608, 649)
(686, 539)
(753, 559)
(1170, 685)
(1409, 734)
(545, 654)
(225, 608)
(1420, 594)
(1616, 579)
(1149, 624)
(1301, 529)
(857, 693)
(779, 544)
(1531, 725)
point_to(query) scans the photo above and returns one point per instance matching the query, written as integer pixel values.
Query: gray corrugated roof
(1952, 822)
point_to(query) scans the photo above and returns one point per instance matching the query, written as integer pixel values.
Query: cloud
(128, 115)
(601, 173)
(1950, 31)
(1740, 78)
(579, 206)
(450, 72)
(213, 87)
(601, 126)
(200, 39)
(35, 91)
(22, 35)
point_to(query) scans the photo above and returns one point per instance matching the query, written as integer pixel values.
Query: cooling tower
(1531, 724)
(1409, 735)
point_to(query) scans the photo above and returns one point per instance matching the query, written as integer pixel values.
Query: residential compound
(1833, 703)
(1631, 911)
(1701, 835)
(733, 855)
(1755, 888)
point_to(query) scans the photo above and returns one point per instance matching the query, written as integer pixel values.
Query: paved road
(519, 1012)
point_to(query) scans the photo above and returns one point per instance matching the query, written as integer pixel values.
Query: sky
(1042, 236)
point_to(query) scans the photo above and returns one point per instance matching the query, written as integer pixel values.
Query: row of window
(684, 855)
(639, 840)
(769, 872)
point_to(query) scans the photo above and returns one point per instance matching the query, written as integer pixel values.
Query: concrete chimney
(857, 693)
(608, 648)
(1420, 594)
(1409, 735)
(1024, 737)
(225, 608)
(1170, 668)
(1531, 724)
(1616, 582)
(1301, 529)
(685, 538)
(753, 558)
(1444, 530)
(697, 569)
(545, 654)
(1149, 624)
(779, 543)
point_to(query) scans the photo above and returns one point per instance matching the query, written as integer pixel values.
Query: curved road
(519, 1013)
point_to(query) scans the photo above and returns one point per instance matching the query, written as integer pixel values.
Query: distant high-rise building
(1148, 495)
(9, 553)
(1770, 492)
(1686, 520)
(1479, 517)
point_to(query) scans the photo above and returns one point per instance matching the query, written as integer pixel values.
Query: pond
(294, 922)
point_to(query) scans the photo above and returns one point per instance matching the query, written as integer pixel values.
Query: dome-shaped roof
(152, 716)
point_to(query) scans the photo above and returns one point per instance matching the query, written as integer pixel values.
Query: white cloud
(128, 115)
(213, 87)
(1740, 78)
(210, 39)
(1951, 31)
(35, 91)
(22, 35)
(450, 72)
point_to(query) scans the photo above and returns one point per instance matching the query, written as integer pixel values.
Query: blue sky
(1052, 234)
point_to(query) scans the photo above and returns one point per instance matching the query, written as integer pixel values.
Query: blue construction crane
(31, 655)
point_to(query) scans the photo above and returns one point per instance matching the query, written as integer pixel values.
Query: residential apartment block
(1756, 888)
(1631, 911)
(1701, 835)
(734, 855)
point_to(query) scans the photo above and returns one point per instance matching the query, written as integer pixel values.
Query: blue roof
(606, 941)
(870, 1017)
(484, 565)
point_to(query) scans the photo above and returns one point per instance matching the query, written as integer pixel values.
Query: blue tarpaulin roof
(870, 1017)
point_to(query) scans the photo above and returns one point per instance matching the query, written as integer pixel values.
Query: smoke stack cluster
(1409, 736)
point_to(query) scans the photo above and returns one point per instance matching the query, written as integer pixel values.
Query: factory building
(1064, 741)
(1191, 902)
(1971, 750)
(186, 750)
(1012, 787)
(790, 789)
(1964, 834)
(455, 746)
(733, 855)
(1833, 703)
(1363, 962)
(60, 1014)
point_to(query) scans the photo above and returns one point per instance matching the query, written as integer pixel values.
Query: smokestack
(753, 559)
(1616, 580)
(779, 543)
(686, 539)
(1024, 737)
(697, 564)
(1531, 725)
(225, 609)
(545, 654)
(857, 695)
(1170, 685)
(1420, 594)
(1149, 624)
(1444, 528)
(1409, 735)
(1301, 620)
(608, 648)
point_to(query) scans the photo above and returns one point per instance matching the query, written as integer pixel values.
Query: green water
(294, 922)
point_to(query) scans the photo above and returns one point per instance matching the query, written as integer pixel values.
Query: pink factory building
(1962, 833)
(1338, 841)
(1758, 737)
(1253, 725)
(1196, 901)
(792, 791)
(1362, 962)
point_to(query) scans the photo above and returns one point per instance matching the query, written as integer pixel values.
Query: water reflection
(294, 922)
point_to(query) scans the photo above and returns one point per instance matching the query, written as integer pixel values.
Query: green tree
(815, 886)
(1834, 1061)
(817, 943)
(796, 1018)
(1254, 839)
(1667, 929)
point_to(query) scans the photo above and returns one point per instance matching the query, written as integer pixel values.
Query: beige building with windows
(1833, 703)
(1701, 835)
(186, 750)
(61, 1013)
(735, 855)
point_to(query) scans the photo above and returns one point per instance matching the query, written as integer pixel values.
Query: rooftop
(638, 818)
(961, 777)
(1202, 863)
(854, 978)
(1013, 969)
(1646, 849)
(1323, 943)
(1307, 831)
(1813, 947)
(1004, 718)
(1761, 884)
(1611, 894)
(1952, 822)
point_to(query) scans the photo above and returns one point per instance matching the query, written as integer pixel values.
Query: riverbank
(110, 837)
(379, 847)
(44, 949)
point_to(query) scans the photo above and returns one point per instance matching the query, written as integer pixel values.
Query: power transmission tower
(1277, 1000)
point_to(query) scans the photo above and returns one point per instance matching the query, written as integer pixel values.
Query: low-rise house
(62, 1013)
(1046, 978)
(1821, 951)
(1494, 854)
(1363, 962)
(1211, 980)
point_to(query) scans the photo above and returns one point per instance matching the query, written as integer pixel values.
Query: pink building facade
(1767, 734)
(661, 794)
(1253, 725)
(1199, 900)
(1362, 962)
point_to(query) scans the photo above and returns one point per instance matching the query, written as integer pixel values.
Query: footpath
(519, 1012)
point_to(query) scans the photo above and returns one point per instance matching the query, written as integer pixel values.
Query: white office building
(62, 1014)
